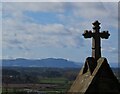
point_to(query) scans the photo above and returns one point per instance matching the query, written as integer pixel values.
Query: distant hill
(49, 62)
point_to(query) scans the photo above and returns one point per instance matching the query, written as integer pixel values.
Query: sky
(38, 30)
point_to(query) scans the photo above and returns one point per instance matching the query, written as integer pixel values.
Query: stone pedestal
(96, 77)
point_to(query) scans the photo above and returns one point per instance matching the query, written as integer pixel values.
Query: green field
(53, 80)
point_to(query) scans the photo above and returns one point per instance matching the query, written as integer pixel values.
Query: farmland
(47, 80)
(19, 80)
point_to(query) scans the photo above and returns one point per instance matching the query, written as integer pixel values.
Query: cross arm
(104, 34)
(87, 34)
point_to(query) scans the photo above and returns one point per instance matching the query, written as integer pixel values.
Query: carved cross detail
(96, 35)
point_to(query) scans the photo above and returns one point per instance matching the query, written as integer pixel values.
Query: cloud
(22, 32)
(40, 35)
(14, 42)
(97, 11)
(109, 49)
(34, 7)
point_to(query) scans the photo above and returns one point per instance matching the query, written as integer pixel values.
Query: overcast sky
(42, 30)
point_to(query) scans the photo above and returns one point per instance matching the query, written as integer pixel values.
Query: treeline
(33, 75)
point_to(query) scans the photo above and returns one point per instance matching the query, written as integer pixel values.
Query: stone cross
(96, 35)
